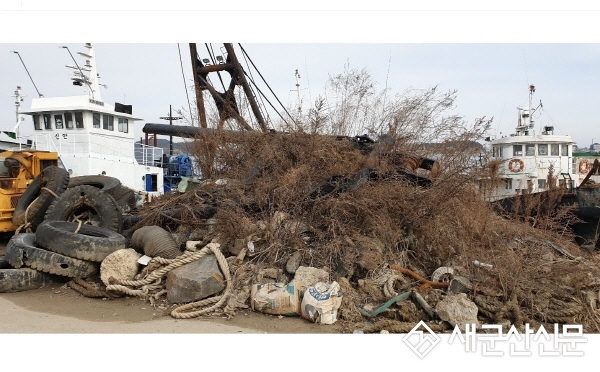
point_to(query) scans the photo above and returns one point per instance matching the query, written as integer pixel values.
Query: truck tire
(21, 250)
(4, 263)
(14, 253)
(104, 183)
(18, 280)
(91, 243)
(102, 208)
(37, 199)
(125, 198)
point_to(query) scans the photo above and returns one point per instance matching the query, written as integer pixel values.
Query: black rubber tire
(91, 243)
(53, 178)
(125, 198)
(104, 183)
(104, 209)
(14, 253)
(18, 280)
(155, 241)
(4, 263)
(21, 250)
(127, 234)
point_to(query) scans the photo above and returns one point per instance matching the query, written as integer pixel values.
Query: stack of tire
(53, 195)
(60, 244)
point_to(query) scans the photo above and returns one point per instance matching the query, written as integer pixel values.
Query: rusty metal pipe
(190, 132)
(412, 274)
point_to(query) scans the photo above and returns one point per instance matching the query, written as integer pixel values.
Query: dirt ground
(60, 309)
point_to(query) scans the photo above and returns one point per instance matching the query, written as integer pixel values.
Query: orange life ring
(584, 166)
(516, 165)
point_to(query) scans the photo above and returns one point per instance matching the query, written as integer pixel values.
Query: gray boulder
(195, 281)
(458, 310)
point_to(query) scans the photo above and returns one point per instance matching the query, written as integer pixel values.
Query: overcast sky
(491, 68)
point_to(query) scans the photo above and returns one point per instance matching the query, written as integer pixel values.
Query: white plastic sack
(321, 303)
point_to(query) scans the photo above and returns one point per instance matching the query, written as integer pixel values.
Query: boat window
(123, 125)
(565, 150)
(543, 149)
(554, 150)
(541, 184)
(68, 120)
(47, 123)
(107, 122)
(58, 121)
(517, 150)
(497, 151)
(529, 150)
(36, 122)
(508, 183)
(96, 121)
(79, 119)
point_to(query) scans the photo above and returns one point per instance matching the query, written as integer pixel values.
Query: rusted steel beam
(199, 98)
(246, 87)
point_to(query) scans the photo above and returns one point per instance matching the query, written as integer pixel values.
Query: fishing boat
(94, 137)
(528, 156)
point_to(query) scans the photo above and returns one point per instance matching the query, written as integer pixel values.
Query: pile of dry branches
(301, 191)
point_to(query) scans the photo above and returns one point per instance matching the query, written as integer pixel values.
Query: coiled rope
(388, 286)
(89, 289)
(153, 281)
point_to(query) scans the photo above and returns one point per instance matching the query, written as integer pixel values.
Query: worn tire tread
(92, 243)
(51, 262)
(4, 263)
(53, 178)
(87, 196)
(125, 198)
(105, 183)
(18, 280)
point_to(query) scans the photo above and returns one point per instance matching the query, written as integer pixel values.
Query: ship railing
(97, 145)
(149, 155)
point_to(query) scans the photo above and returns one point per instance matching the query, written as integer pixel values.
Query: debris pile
(373, 233)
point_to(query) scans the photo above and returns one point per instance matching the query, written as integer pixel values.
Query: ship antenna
(297, 74)
(36, 89)
(18, 100)
(84, 78)
(531, 91)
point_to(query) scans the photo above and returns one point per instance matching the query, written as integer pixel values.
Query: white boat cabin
(528, 157)
(93, 137)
